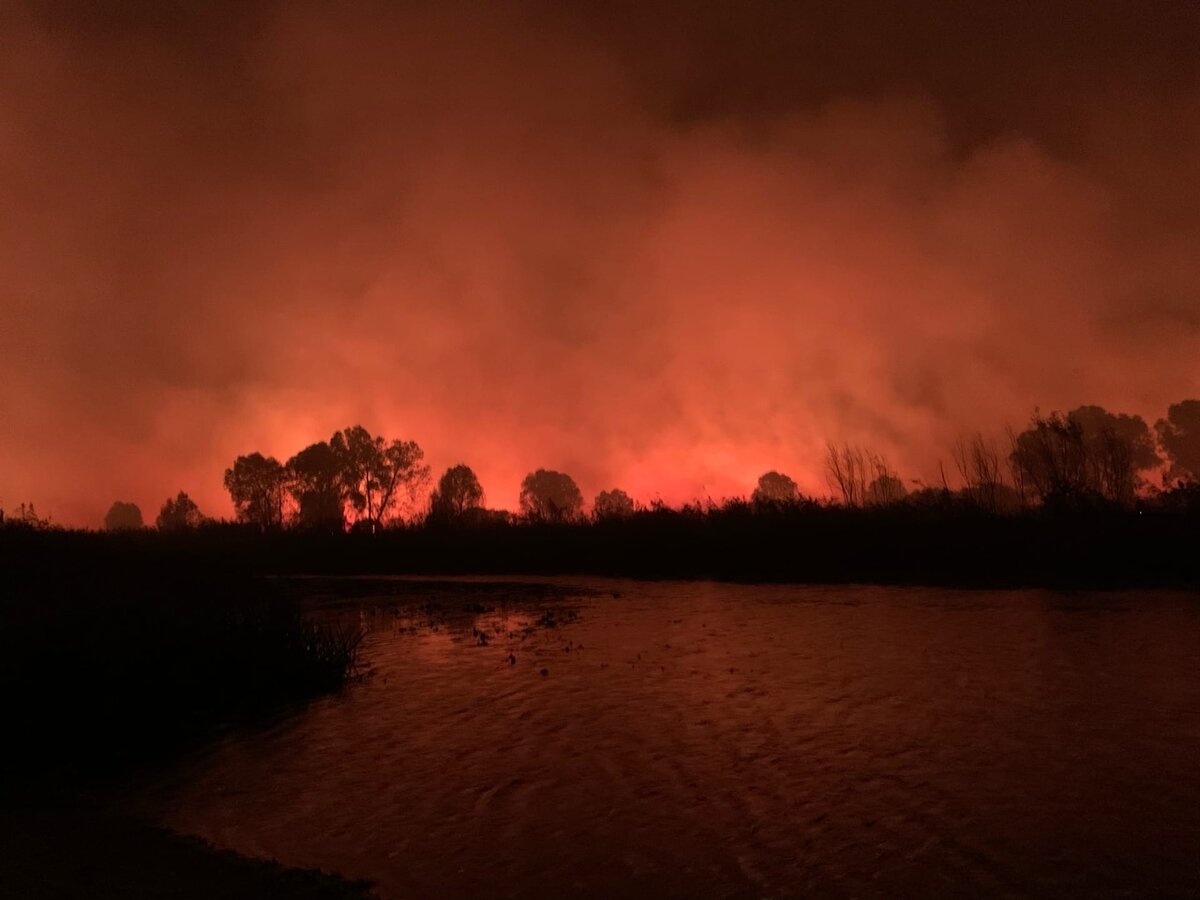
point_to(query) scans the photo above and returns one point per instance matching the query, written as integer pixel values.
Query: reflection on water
(683, 739)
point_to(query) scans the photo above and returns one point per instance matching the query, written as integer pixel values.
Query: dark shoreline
(112, 669)
(954, 547)
(58, 842)
(93, 602)
(78, 852)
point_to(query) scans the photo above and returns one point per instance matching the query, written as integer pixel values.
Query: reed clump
(105, 673)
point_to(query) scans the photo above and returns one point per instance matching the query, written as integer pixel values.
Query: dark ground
(108, 667)
(950, 545)
(68, 854)
(102, 630)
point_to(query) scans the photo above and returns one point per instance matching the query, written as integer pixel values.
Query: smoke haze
(664, 248)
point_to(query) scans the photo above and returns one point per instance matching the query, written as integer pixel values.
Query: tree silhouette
(979, 464)
(775, 488)
(1089, 452)
(400, 472)
(846, 471)
(315, 483)
(550, 496)
(458, 492)
(861, 476)
(885, 488)
(178, 513)
(1179, 435)
(374, 472)
(256, 486)
(123, 516)
(1119, 448)
(1050, 457)
(357, 455)
(614, 504)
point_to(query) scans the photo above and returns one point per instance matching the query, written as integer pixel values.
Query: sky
(659, 246)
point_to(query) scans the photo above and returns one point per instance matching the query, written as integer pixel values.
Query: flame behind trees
(367, 475)
(375, 472)
(1083, 456)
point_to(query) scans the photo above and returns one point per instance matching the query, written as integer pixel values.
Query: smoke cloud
(663, 248)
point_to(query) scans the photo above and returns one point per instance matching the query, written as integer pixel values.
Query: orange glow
(491, 233)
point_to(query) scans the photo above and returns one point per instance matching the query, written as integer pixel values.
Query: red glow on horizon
(540, 241)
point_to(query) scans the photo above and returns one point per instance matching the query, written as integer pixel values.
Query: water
(696, 739)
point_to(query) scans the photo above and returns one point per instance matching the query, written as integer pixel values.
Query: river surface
(687, 739)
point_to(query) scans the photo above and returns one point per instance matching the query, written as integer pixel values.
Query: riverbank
(62, 854)
(954, 545)
(111, 668)
(107, 668)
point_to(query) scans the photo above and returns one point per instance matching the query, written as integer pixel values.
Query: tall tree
(550, 496)
(375, 473)
(357, 455)
(1179, 435)
(1087, 452)
(256, 486)
(1119, 448)
(401, 476)
(1049, 458)
(315, 483)
(178, 513)
(458, 492)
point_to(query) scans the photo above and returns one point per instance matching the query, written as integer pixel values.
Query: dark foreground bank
(950, 544)
(58, 854)
(108, 668)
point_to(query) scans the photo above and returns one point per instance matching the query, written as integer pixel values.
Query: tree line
(362, 482)
(1088, 456)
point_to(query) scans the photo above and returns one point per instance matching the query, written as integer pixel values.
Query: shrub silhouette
(614, 504)
(1082, 457)
(122, 516)
(178, 513)
(775, 487)
(550, 496)
(457, 495)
